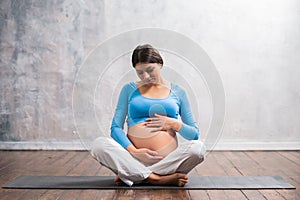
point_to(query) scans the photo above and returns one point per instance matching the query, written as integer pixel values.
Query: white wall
(255, 45)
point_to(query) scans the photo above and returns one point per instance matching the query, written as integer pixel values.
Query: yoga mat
(107, 182)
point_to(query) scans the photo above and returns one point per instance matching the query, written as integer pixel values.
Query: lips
(149, 80)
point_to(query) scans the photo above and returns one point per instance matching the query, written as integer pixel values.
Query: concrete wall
(255, 45)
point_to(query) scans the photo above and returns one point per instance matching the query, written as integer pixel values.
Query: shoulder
(178, 90)
(128, 88)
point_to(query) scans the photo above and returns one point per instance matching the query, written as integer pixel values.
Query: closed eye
(149, 70)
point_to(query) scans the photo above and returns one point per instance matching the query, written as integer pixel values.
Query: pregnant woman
(159, 148)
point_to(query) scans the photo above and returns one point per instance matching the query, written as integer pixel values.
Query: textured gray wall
(254, 44)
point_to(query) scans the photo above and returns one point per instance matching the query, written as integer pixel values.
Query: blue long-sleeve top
(137, 108)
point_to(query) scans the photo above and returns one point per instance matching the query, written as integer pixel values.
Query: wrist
(131, 149)
(177, 125)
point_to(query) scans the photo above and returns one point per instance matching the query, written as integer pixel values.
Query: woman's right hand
(145, 155)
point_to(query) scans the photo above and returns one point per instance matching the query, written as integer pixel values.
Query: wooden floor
(72, 163)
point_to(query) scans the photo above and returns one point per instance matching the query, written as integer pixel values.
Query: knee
(197, 150)
(98, 147)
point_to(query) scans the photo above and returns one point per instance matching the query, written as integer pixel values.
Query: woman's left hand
(163, 123)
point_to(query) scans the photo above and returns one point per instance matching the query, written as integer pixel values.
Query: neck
(159, 82)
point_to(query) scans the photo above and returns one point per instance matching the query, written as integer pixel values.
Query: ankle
(153, 178)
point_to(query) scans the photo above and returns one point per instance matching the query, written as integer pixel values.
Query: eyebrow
(150, 67)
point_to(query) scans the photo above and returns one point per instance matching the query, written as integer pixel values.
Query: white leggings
(112, 155)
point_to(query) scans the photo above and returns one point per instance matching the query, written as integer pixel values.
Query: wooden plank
(249, 167)
(290, 156)
(7, 159)
(105, 194)
(207, 167)
(69, 194)
(220, 166)
(282, 163)
(275, 164)
(75, 167)
(18, 160)
(161, 195)
(124, 195)
(90, 169)
(179, 194)
(90, 194)
(73, 163)
(230, 170)
(244, 166)
(51, 195)
(144, 194)
(24, 164)
(197, 194)
(52, 160)
(272, 164)
(271, 194)
(253, 194)
(211, 168)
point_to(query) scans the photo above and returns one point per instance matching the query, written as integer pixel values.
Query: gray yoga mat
(107, 182)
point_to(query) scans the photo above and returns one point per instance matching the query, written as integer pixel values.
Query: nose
(146, 75)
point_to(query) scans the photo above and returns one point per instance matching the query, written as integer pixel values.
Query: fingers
(154, 124)
(153, 119)
(153, 153)
(147, 158)
(153, 159)
(182, 180)
(157, 122)
(156, 129)
(144, 151)
(181, 183)
(156, 118)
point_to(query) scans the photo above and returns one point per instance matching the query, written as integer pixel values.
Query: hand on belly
(147, 156)
(142, 137)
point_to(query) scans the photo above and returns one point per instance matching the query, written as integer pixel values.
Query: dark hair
(146, 54)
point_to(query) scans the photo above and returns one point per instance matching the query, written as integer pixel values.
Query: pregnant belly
(163, 142)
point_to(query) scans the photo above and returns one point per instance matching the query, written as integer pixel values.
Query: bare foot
(118, 181)
(178, 179)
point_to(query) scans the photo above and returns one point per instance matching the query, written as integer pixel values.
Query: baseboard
(78, 145)
(245, 145)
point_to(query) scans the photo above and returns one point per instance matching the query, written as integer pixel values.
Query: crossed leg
(171, 170)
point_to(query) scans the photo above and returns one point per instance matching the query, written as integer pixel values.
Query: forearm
(119, 136)
(189, 132)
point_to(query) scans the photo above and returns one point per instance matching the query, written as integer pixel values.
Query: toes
(118, 181)
(181, 183)
(182, 176)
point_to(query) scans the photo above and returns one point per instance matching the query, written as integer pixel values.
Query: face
(148, 72)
